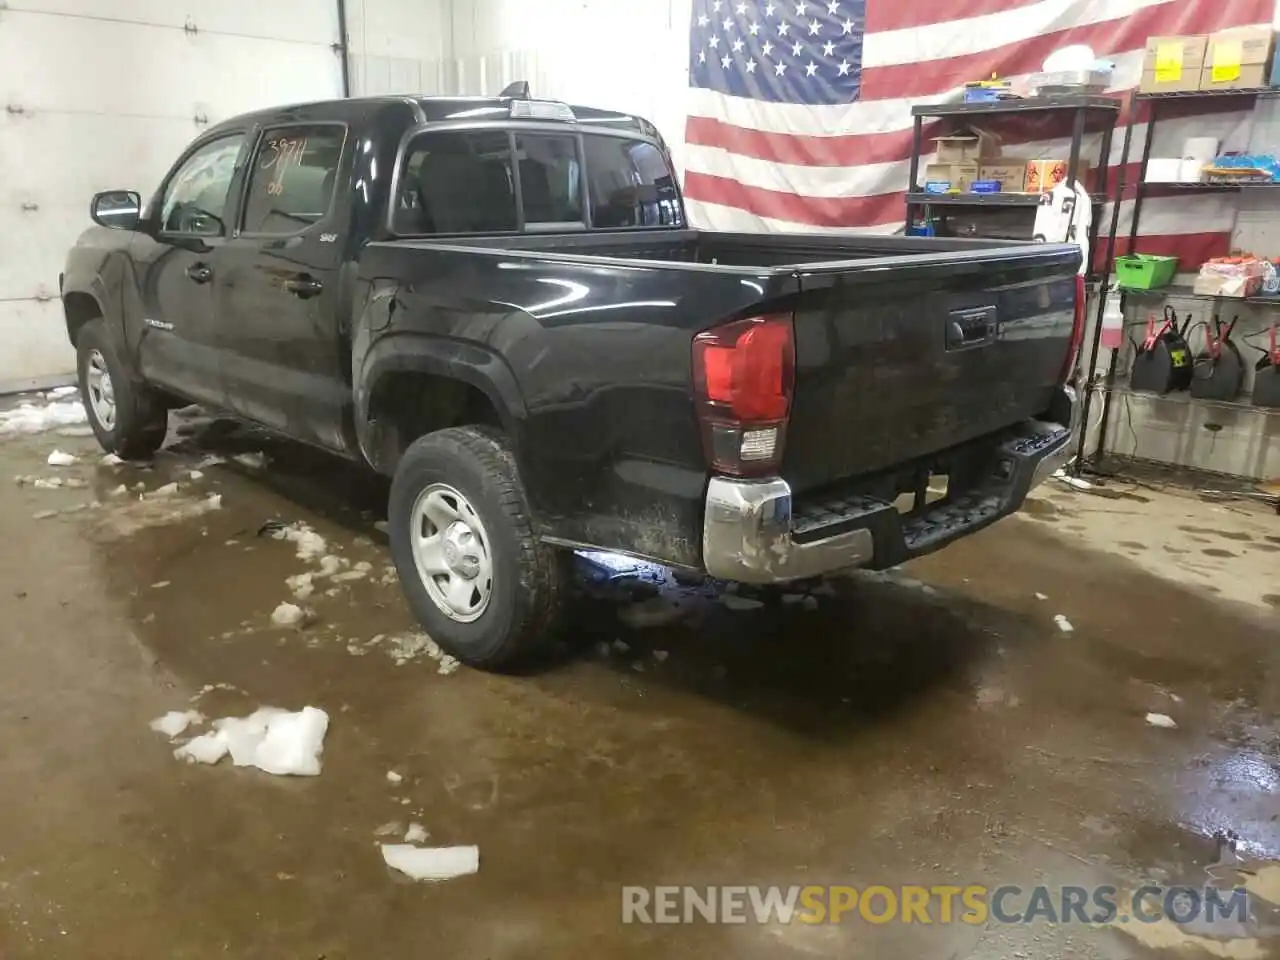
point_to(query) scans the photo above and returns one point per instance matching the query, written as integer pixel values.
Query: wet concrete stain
(1272, 599)
(1225, 534)
(1217, 552)
(1132, 545)
(926, 725)
(1264, 548)
(1177, 551)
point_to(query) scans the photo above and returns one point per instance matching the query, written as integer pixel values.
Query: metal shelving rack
(1155, 103)
(1082, 106)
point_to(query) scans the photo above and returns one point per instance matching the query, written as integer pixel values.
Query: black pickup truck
(498, 303)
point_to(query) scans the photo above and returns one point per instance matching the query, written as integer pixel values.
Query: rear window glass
(457, 182)
(631, 184)
(550, 178)
(465, 181)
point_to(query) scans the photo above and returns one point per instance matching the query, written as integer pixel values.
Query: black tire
(141, 416)
(530, 579)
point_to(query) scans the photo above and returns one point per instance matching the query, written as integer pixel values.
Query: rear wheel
(128, 418)
(474, 573)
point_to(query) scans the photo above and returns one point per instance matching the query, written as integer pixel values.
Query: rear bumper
(753, 534)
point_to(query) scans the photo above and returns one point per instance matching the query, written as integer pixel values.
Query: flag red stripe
(855, 149)
(1025, 55)
(887, 15)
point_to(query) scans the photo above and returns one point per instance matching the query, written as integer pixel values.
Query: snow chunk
(64, 391)
(287, 615)
(310, 544)
(734, 602)
(195, 475)
(208, 748)
(173, 723)
(301, 585)
(273, 740)
(416, 833)
(358, 572)
(255, 461)
(60, 459)
(160, 584)
(431, 863)
(47, 483)
(393, 777)
(448, 665)
(168, 490)
(28, 418)
(1041, 596)
(389, 829)
(212, 460)
(1161, 720)
(111, 460)
(329, 564)
(1063, 623)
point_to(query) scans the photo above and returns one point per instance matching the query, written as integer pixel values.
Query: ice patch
(1063, 623)
(1161, 720)
(273, 740)
(60, 459)
(173, 723)
(74, 432)
(287, 615)
(28, 418)
(416, 833)
(431, 863)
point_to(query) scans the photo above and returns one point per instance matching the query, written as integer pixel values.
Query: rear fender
(436, 356)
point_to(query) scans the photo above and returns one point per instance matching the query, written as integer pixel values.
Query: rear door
(277, 284)
(901, 357)
(178, 342)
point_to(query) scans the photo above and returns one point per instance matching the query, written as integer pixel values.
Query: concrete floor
(933, 725)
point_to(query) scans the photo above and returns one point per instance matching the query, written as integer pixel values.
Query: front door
(276, 287)
(179, 343)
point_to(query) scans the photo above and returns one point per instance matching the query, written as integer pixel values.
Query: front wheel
(128, 418)
(472, 569)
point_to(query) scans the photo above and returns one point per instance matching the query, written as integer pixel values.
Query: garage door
(103, 94)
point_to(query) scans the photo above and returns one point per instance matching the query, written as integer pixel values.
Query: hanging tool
(1162, 362)
(1219, 369)
(1266, 379)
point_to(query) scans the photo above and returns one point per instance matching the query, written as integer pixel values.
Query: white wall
(103, 94)
(400, 46)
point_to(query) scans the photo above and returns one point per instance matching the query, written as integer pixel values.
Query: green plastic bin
(1145, 271)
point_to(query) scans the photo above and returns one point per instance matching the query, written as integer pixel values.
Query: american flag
(799, 113)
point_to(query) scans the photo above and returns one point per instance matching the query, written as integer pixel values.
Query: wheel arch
(412, 385)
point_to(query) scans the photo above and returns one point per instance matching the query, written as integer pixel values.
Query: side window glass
(550, 179)
(293, 178)
(631, 185)
(195, 198)
(457, 182)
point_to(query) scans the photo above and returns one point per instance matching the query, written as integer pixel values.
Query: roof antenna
(515, 91)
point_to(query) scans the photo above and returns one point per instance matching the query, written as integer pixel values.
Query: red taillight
(743, 376)
(1077, 331)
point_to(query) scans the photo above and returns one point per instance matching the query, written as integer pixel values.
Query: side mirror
(117, 209)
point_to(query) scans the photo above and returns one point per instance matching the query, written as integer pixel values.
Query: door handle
(303, 287)
(200, 273)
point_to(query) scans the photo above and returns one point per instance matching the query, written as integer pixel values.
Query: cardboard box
(959, 175)
(1041, 176)
(1237, 59)
(1010, 173)
(1213, 286)
(963, 147)
(1173, 64)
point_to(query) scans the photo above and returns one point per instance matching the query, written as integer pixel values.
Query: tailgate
(901, 357)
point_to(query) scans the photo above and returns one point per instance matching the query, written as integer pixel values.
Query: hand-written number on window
(280, 155)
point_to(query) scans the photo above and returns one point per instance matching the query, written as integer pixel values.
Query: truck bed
(906, 351)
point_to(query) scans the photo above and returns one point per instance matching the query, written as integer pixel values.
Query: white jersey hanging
(1065, 216)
